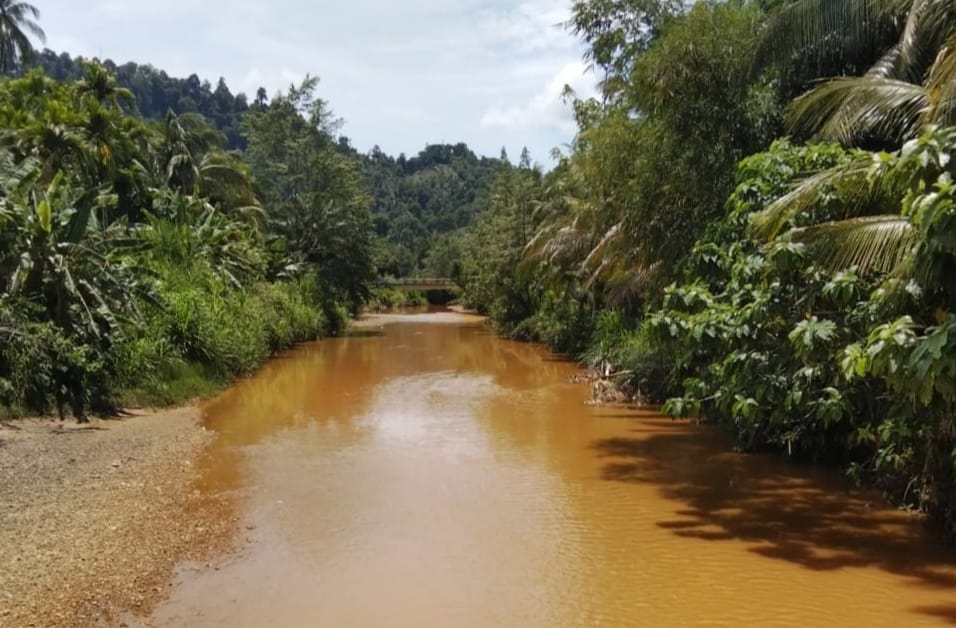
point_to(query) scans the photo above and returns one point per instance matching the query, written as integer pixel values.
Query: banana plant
(76, 270)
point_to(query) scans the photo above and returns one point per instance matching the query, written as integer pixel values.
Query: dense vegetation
(421, 204)
(143, 262)
(155, 93)
(757, 226)
(418, 203)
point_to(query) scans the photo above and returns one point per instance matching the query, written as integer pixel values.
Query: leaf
(849, 108)
(45, 216)
(872, 244)
(857, 181)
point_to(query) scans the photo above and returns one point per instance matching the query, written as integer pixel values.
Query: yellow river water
(424, 473)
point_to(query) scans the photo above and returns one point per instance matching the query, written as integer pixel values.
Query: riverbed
(423, 472)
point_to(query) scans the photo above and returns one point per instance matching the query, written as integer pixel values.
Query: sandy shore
(94, 518)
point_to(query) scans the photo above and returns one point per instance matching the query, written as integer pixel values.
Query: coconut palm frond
(563, 243)
(916, 47)
(941, 85)
(871, 244)
(222, 176)
(16, 178)
(606, 258)
(17, 23)
(807, 24)
(600, 251)
(628, 284)
(935, 29)
(848, 108)
(889, 63)
(858, 179)
(199, 133)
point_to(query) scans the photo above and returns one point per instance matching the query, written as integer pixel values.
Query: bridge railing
(418, 282)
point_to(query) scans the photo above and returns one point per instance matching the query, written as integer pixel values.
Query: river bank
(93, 518)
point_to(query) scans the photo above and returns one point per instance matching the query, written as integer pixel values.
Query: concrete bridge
(419, 283)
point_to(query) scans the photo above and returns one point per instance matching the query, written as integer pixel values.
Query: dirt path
(94, 518)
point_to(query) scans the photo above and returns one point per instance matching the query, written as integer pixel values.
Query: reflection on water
(426, 473)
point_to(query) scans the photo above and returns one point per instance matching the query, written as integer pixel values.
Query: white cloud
(487, 72)
(291, 77)
(534, 26)
(546, 108)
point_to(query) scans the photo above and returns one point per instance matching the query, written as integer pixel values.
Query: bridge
(419, 283)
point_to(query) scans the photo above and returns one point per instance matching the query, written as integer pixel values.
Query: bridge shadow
(783, 511)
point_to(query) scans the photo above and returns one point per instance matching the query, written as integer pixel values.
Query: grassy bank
(196, 335)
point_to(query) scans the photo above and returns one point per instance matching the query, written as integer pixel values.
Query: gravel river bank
(94, 518)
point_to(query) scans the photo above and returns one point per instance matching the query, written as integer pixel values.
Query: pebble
(117, 535)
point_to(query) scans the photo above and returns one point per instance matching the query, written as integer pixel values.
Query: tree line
(756, 227)
(155, 93)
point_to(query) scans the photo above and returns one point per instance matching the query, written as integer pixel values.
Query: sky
(400, 74)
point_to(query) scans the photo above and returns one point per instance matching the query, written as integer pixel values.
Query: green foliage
(318, 209)
(903, 50)
(492, 250)
(562, 321)
(867, 375)
(617, 32)
(653, 164)
(420, 200)
(155, 94)
(386, 299)
(136, 261)
(809, 308)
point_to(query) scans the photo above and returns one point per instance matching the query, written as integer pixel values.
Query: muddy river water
(424, 473)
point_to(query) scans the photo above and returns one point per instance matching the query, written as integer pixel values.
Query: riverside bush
(139, 262)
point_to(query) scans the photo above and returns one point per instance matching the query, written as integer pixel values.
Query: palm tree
(911, 86)
(906, 95)
(192, 158)
(17, 20)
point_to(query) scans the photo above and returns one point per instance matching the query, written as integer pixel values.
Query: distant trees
(318, 206)
(414, 200)
(419, 199)
(155, 93)
(17, 25)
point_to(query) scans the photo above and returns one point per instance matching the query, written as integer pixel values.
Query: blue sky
(401, 74)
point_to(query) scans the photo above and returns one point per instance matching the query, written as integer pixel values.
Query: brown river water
(424, 473)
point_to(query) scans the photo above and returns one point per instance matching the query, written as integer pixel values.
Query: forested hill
(416, 199)
(419, 199)
(157, 93)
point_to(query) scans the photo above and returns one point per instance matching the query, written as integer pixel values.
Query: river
(424, 473)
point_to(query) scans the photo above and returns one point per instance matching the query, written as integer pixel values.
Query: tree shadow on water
(942, 611)
(785, 511)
